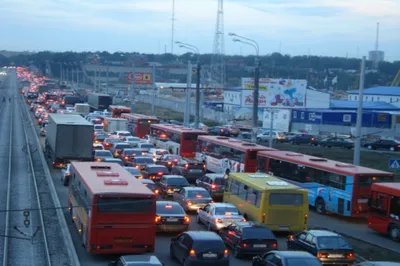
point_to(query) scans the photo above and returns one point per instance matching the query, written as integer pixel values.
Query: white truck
(82, 108)
(115, 124)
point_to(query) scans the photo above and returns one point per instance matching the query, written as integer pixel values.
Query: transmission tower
(376, 61)
(173, 27)
(217, 69)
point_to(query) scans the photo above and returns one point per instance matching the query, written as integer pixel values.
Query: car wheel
(392, 149)
(198, 219)
(320, 206)
(394, 233)
(236, 252)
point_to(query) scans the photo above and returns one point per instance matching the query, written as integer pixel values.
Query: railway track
(31, 234)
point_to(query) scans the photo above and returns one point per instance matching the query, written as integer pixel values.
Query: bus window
(190, 136)
(262, 165)
(379, 203)
(337, 181)
(366, 181)
(129, 205)
(395, 208)
(286, 199)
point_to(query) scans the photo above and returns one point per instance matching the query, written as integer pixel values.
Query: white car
(122, 134)
(98, 127)
(276, 136)
(218, 215)
(157, 153)
(65, 175)
(146, 146)
(134, 141)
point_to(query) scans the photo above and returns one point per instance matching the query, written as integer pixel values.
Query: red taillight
(175, 160)
(186, 166)
(137, 167)
(204, 166)
(321, 255)
(126, 157)
(218, 221)
(274, 245)
(186, 219)
(160, 173)
(350, 255)
(189, 202)
(156, 191)
(213, 186)
(226, 253)
(158, 219)
(169, 163)
(291, 238)
(192, 253)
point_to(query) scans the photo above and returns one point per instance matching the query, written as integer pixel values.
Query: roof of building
(393, 91)
(345, 104)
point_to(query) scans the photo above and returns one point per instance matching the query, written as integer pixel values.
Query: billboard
(281, 121)
(275, 92)
(140, 78)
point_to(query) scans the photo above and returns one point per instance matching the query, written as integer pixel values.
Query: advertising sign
(140, 78)
(288, 93)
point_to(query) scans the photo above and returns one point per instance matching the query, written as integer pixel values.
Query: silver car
(218, 215)
(65, 175)
(192, 198)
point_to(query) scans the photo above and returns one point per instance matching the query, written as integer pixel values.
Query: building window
(311, 116)
(346, 118)
(391, 99)
(366, 98)
(372, 99)
(355, 98)
(294, 114)
(377, 99)
(302, 115)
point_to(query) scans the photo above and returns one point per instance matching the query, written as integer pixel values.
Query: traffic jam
(146, 177)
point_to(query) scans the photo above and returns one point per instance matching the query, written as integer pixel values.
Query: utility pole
(186, 117)
(61, 72)
(133, 87)
(255, 103)
(197, 116)
(357, 146)
(202, 105)
(153, 77)
(107, 69)
(271, 126)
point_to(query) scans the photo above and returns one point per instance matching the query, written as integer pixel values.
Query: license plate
(259, 246)
(335, 256)
(195, 171)
(172, 220)
(209, 255)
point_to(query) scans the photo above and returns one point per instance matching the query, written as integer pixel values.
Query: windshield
(161, 152)
(198, 194)
(302, 261)
(132, 152)
(132, 139)
(150, 186)
(133, 171)
(258, 232)
(219, 181)
(366, 181)
(104, 153)
(98, 127)
(226, 210)
(130, 205)
(332, 242)
(144, 160)
(147, 146)
(124, 134)
(173, 157)
(165, 208)
(123, 146)
(176, 181)
(285, 199)
(158, 169)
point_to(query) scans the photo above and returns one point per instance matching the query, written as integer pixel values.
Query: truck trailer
(115, 124)
(100, 102)
(69, 137)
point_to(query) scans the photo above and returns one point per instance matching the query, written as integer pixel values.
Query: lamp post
(198, 69)
(255, 45)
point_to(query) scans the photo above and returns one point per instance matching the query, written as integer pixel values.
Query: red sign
(140, 78)
(262, 100)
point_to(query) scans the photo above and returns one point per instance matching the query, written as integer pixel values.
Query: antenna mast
(217, 70)
(376, 61)
(173, 27)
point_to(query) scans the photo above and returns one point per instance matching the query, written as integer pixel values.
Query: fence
(179, 106)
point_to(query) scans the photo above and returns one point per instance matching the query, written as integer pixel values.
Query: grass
(372, 252)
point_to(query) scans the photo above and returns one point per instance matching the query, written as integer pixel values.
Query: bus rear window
(126, 205)
(285, 199)
(190, 136)
(366, 181)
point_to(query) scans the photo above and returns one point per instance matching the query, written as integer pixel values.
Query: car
(117, 148)
(134, 171)
(328, 246)
(301, 139)
(191, 170)
(140, 162)
(122, 134)
(133, 141)
(154, 171)
(170, 217)
(169, 160)
(170, 183)
(277, 136)
(66, 174)
(145, 146)
(137, 260)
(213, 183)
(99, 155)
(286, 258)
(346, 143)
(384, 144)
(218, 215)
(150, 185)
(192, 198)
(98, 127)
(99, 138)
(157, 153)
(112, 160)
(43, 131)
(248, 238)
(378, 263)
(97, 147)
(127, 155)
(108, 142)
(192, 248)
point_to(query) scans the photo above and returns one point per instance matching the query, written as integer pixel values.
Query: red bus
(175, 139)
(384, 212)
(332, 186)
(113, 212)
(139, 125)
(117, 110)
(223, 154)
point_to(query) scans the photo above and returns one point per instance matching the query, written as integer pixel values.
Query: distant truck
(115, 124)
(82, 108)
(69, 137)
(71, 100)
(98, 101)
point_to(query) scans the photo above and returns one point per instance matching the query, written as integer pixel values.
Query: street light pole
(357, 146)
(256, 80)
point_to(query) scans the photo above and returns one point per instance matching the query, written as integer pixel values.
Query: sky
(295, 27)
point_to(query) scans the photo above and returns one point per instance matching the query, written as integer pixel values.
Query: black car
(346, 143)
(154, 172)
(248, 238)
(328, 246)
(171, 183)
(118, 147)
(286, 258)
(127, 155)
(134, 171)
(199, 248)
(112, 160)
(170, 217)
(213, 183)
(383, 144)
(301, 139)
(190, 170)
(169, 160)
(140, 162)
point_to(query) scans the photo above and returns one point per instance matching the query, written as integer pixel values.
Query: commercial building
(378, 94)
